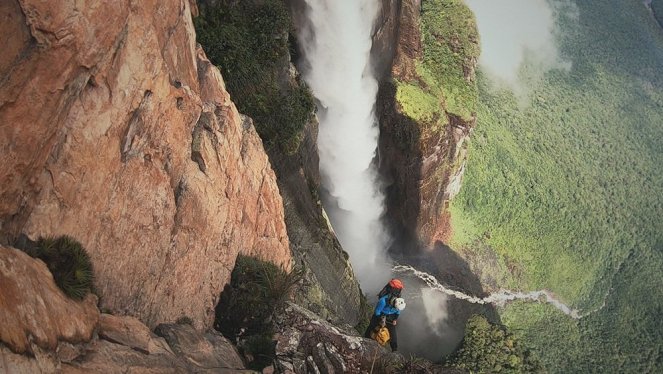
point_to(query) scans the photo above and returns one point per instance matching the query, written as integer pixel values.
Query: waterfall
(336, 47)
(498, 298)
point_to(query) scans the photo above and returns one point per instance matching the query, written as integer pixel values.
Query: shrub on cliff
(489, 348)
(257, 291)
(69, 263)
(249, 41)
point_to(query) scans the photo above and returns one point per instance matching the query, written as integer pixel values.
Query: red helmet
(396, 283)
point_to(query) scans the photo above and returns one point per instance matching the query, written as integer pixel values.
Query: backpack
(393, 288)
(381, 335)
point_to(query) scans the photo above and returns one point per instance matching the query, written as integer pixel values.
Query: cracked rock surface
(115, 129)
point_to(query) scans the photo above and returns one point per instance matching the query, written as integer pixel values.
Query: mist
(335, 40)
(336, 47)
(519, 40)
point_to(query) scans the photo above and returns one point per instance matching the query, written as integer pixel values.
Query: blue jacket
(383, 308)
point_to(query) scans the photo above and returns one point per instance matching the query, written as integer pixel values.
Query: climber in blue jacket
(386, 313)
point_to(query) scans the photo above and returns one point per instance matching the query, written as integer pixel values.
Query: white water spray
(499, 298)
(337, 49)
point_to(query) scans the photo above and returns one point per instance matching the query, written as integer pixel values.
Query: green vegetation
(489, 348)
(417, 103)
(69, 263)
(569, 190)
(249, 42)
(623, 336)
(554, 334)
(257, 291)
(398, 364)
(445, 73)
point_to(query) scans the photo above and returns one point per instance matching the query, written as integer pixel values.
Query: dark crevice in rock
(179, 191)
(119, 44)
(203, 127)
(91, 81)
(134, 128)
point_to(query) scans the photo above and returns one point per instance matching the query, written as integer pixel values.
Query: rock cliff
(117, 131)
(425, 59)
(329, 287)
(46, 332)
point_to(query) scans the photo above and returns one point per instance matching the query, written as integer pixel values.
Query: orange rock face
(116, 130)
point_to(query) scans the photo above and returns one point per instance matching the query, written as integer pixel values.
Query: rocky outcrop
(34, 313)
(397, 39)
(117, 131)
(307, 344)
(421, 160)
(132, 333)
(182, 350)
(44, 331)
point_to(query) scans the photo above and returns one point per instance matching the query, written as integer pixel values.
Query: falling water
(499, 298)
(337, 47)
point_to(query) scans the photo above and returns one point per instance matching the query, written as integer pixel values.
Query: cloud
(519, 40)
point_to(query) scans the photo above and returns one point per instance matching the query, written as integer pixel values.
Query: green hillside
(569, 192)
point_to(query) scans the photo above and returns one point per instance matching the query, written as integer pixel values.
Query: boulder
(34, 312)
(40, 362)
(183, 350)
(307, 343)
(130, 332)
(209, 351)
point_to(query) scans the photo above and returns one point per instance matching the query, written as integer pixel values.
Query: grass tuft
(246, 310)
(69, 263)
